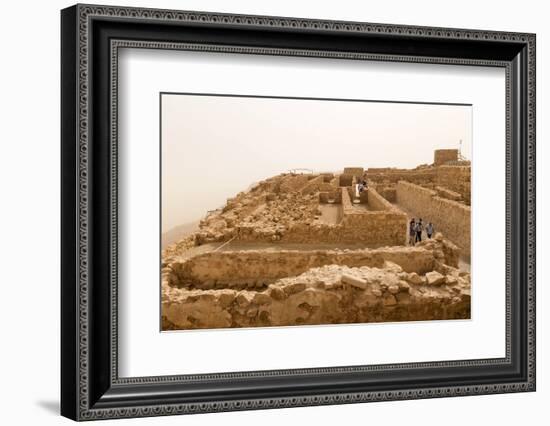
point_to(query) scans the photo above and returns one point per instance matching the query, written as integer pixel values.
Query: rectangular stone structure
(441, 156)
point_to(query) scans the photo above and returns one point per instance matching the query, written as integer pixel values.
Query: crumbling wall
(449, 217)
(419, 176)
(291, 183)
(257, 268)
(314, 185)
(332, 294)
(441, 156)
(457, 179)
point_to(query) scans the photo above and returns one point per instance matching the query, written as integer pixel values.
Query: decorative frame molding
(91, 37)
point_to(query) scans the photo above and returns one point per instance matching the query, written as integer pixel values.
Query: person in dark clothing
(412, 231)
(418, 229)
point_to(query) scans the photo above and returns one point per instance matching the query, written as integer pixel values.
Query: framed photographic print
(263, 212)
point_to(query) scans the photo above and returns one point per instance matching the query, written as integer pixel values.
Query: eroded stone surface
(434, 278)
(372, 295)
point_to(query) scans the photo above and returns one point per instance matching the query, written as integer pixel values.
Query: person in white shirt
(430, 230)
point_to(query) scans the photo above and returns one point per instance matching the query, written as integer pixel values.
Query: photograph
(264, 209)
(284, 211)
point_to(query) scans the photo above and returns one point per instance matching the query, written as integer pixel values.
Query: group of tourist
(416, 228)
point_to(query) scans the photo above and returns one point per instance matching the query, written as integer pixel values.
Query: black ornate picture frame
(90, 38)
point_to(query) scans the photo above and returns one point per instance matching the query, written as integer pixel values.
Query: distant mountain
(178, 232)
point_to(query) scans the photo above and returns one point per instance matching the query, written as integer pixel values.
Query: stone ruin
(310, 249)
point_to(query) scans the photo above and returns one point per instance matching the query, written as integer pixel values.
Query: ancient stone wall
(441, 156)
(420, 176)
(256, 268)
(358, 225)
(314, 185)
(354, 171)
(377, 202)
(459, 163)
(291, 183)
(448, 194)
(332, 294)
(352, 229)
(374, 170)
(334, 196)
(376, 228)
(457, 179)
(449, 217)
(388, 193)
(345, 180)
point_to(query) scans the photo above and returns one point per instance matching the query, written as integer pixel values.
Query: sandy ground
(330, 213)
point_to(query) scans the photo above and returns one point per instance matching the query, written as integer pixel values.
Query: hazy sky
(214, 146)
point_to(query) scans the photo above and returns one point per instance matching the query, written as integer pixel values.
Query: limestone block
(393, 289)
(393, 267)
(435, 278)
(389, 280)
(261, 298)
(354, 281)
(244, 298)
(294, 288)
(415, 279)
(404, 286)
(451, 280)
(226, 297)
(276, 292)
